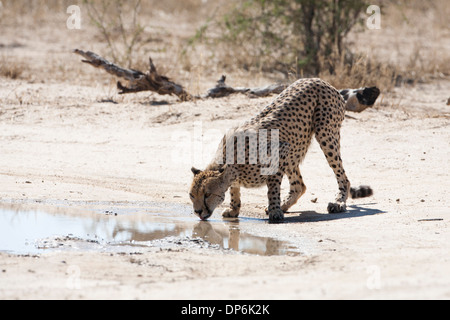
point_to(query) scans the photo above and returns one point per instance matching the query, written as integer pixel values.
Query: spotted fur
(307, 108)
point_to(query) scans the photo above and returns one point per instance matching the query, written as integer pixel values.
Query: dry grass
(361, 71)
(11, 67)
(414, 41)
(425, 64)
(412, 46)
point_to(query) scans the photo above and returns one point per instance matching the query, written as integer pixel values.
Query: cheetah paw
(266, 210)
(276, 215)
(230, 213)
(336, 207)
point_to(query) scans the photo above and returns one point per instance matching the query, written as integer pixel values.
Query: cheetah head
(208, 190)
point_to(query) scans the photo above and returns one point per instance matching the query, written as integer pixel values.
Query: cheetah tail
(358, 100)
(361, 192)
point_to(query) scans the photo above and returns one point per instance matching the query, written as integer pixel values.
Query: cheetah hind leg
(297, 189)
(330, 146)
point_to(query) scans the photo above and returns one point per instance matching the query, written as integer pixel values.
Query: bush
(301, 36)
(119, 26)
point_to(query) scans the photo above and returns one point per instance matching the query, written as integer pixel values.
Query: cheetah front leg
(235, 203)
(273, 194)
(274, 182)
(297, 188)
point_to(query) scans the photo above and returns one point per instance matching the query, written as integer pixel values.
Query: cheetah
(283, 129)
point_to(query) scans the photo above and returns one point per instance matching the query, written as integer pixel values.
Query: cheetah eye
(191, 195)
(207, 195)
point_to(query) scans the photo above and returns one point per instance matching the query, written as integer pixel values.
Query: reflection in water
(21, 229)
(230, 237)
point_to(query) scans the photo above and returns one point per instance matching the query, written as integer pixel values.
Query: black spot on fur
(361, 192)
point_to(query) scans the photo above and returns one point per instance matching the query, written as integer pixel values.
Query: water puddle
(34, 231)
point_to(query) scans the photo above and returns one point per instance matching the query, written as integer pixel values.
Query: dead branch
(137, 80)
(222, 90)
(268, 90)
(153, 81)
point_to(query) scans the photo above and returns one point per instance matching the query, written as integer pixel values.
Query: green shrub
(304, 35)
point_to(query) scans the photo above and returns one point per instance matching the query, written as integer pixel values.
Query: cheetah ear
(195, 171)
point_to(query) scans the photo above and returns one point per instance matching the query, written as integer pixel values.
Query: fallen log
(356, 100)
(155, 82)
(222, 90)
(137, 80)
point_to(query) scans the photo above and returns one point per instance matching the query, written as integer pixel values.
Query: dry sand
(58, 141)
(116, 152)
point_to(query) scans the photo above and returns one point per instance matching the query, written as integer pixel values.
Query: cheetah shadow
(353, 211)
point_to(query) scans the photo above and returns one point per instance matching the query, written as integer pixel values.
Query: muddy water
(37, 230)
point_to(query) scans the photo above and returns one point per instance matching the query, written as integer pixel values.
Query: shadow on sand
(353, 211)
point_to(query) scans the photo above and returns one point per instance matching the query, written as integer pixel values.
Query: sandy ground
(393, 245)
(59, 141)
